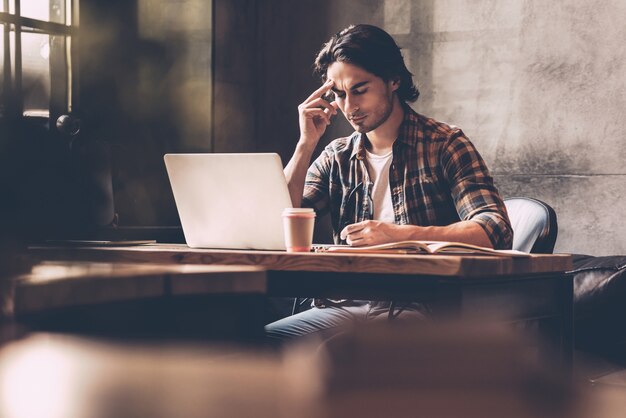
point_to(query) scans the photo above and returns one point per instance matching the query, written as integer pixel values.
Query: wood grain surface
(441, 265)
(61, 284)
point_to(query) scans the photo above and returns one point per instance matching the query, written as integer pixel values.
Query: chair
(534, 225)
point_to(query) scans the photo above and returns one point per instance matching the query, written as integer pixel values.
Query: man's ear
(395, 84)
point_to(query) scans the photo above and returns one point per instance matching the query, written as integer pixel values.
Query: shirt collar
(410, 128)
(358, 150)
(407, 133)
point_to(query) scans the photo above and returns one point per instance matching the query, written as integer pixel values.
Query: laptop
(230, 200)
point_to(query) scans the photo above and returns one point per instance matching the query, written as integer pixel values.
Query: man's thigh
(314, 320)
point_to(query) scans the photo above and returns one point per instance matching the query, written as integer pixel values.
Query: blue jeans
(329, 320)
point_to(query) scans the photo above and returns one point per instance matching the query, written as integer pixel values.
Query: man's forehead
(350, 86)
(347, 76)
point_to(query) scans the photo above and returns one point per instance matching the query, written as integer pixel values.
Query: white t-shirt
(378, 170)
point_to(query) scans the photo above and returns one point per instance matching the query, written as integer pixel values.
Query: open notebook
(421, 247)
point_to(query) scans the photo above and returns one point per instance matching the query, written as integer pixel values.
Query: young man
(399, 176)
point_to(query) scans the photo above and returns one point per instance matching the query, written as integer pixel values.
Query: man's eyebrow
(356, 86)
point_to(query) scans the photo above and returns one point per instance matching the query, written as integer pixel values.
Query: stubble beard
(384, 115)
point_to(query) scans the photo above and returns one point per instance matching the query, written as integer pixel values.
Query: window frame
(62, 65)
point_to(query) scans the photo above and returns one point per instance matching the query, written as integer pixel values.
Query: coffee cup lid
(299, 211)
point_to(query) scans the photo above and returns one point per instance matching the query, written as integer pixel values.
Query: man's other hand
(371, 233)
(315, 114)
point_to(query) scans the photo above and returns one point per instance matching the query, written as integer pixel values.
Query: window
(36, 57)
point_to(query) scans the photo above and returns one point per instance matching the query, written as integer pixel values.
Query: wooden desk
(466, 266)
(139, 299)
(508, 287)
(503, 287)
(367, 276)
(485, 288)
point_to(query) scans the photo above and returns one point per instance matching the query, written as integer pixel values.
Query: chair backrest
(534, 225)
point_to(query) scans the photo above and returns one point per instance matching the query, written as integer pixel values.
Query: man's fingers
(356, 241)
(344, 233)
(333, 108)
(351, 229)
(356, 227)
(319, 92)
(321, 103)
(316, 112)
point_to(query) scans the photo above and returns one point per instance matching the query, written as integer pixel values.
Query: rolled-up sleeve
(475, 196)
(316, 185)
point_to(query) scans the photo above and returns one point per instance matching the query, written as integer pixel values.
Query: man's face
(365, 99)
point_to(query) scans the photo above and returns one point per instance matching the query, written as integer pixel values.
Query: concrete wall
(541, 89)
(538, 87)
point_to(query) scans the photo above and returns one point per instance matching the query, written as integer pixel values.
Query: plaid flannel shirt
(437, 177)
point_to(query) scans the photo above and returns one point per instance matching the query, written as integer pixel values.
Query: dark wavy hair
(372, 49)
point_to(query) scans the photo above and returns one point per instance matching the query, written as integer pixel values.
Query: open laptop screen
(229, 200)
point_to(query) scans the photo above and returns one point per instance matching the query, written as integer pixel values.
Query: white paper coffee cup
(298, 224)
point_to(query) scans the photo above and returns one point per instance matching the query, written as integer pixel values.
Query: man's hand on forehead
(316, 113)
(328, 87)
(319, 99)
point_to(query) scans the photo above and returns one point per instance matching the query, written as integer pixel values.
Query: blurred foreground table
(60, 376)
(371, 372)
(140, 300)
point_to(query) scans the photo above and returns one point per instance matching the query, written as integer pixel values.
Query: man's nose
(351, 104)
